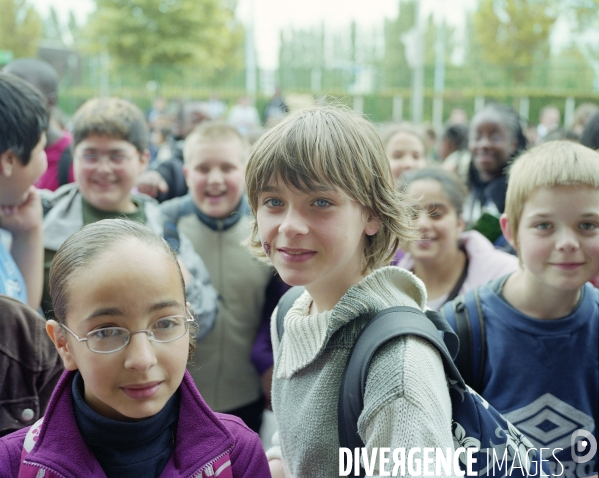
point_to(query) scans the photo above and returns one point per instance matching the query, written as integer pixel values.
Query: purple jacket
(207, 443)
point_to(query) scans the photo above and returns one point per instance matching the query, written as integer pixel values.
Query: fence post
(104, 79)
(479, 103)
(569, 111)
(438, 113)
(439, 79)
(524, 107)
(359, 104)
(316, 80)
(397, 108)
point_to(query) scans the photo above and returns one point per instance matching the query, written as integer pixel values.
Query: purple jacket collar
(202, 438)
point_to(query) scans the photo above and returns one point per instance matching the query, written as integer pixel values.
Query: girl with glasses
(126, 406)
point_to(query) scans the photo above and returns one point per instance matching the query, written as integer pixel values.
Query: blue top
(11, 279)
(543, 375)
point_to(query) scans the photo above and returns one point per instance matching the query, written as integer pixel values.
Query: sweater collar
(306, 336)
(243, 209)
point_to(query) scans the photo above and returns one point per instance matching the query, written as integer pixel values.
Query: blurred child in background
(110, 152)
(449, 260)
(216, 217)
(405, 148)
(496, 137)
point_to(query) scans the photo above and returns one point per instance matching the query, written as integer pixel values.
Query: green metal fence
(378, 87)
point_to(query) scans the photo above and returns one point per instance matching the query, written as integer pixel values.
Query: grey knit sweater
(406, 402)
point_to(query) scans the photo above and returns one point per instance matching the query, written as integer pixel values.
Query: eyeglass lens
(111, 339)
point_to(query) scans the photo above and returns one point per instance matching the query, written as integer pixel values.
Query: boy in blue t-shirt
(541, 322)
(23, 123)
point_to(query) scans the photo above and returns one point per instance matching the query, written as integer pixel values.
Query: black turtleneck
(127, 449)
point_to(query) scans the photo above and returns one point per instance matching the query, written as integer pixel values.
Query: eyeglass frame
(114, 163)
(189, 319)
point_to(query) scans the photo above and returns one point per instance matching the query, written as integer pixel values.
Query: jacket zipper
(196, 473)
(211, 462)
(37, 465)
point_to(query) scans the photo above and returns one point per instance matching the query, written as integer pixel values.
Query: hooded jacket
(485, 263)
(206, 443)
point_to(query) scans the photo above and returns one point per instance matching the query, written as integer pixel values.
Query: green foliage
(201, 33)
(430, 39)
(52, 28)
(570, 69)
(302, 48)
(396, 71)
(74, 28)
(515, 36)
(584, 13)
(20, 28)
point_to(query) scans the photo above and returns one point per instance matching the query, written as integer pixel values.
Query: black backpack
(475, 423)
(464, 314)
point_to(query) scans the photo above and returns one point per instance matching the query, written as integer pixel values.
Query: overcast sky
(270, 16)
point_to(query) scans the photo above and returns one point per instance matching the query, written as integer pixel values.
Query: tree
(301, 48)
(570, 69)
(74, 28)
(52, 28)
(515, 36)
(430, 41)
(583, 13)
(396, 71)
(20, 28)
(200, 33)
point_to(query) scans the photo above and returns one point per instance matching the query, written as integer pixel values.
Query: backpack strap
(387, 325)
(465, 315)
(285, 303)
(64, 166)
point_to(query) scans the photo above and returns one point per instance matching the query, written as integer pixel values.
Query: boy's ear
(514, 145)
(186, 175)
(506, 230)
(7, 163)
(373, 224)
(144, 158)
(57, 336)
(461, 225)
(52, 100)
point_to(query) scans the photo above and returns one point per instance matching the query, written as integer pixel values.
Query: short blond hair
(211, 131)
(328, 146)
(555, 163)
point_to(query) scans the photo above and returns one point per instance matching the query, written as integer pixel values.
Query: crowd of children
(139, 337)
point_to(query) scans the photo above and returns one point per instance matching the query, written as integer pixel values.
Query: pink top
(49, 179)
(485, 263)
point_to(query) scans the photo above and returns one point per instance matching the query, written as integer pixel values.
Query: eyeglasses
(113, 339)
(116, 159)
